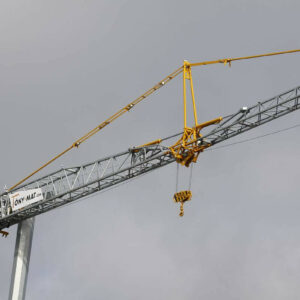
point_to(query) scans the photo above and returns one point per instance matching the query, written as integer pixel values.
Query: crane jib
(70, 184)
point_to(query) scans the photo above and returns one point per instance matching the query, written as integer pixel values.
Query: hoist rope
(191, 175)
(177, 174)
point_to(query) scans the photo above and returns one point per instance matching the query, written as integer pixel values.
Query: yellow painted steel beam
(187, 75)
(158, 141)
(208, 123)
(229, 60)
(122, 111)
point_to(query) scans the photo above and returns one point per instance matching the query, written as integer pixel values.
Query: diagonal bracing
(69, 184)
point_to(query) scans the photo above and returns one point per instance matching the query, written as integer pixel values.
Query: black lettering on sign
(19, 201)
(31, 196)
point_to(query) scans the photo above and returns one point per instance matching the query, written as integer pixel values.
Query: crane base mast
(21, 260)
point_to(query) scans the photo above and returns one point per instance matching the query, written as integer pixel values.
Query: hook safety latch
(227, 61)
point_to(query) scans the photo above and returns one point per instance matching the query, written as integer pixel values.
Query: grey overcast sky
(67, 65)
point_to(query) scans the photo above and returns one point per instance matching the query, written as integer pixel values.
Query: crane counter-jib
(70, 184)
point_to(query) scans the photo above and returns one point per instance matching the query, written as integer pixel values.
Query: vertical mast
(21, 260)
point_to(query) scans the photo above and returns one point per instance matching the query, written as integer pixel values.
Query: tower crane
(25, 200)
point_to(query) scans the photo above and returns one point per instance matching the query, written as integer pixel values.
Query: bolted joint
(186, 64)
(76, 144)
(227, 61)
(129, 107)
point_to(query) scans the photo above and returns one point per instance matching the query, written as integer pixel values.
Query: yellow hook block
(182, 197)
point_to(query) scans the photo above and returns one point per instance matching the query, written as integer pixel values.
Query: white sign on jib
(21, 199)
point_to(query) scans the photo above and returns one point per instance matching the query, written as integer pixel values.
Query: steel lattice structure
(69, 184)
